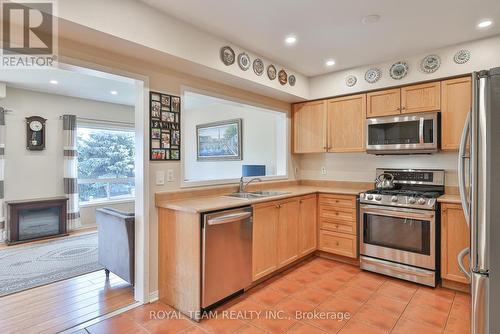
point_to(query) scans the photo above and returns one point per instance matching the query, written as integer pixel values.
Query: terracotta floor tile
(397, 291)
(376, 317)
(357, 327)
(311, 295)
(293, 305)
(274, 325)
(426, 315)
(318, 269)
(388, 304)
(304, 277)
(268, 296)
(352, 269)
(250, 329)
(304, 328)
(167, 326)
(120, 324)
(338, 274)
(367, 281)
(406, 326)
(287, 286)
(337, 304)
(249, 306)
(327, 325)
(355, 293)
(325, 262)
(328, 285)
(193, 330)
(435, 301)
(457, 325)
(148, 312)
(221, 325)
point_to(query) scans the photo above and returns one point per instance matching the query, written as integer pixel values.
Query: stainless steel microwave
(408, 134)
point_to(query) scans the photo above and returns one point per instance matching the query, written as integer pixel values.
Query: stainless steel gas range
(400, 226)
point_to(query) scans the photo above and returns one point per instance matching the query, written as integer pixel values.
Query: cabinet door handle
(337, 243)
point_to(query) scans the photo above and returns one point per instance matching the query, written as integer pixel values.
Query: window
(224, 140)
(105, 164)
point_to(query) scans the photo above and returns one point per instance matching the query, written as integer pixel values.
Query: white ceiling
(333, 29)
(84, 84)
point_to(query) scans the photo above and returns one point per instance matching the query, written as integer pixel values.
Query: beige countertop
(450, 198)
(219, 202)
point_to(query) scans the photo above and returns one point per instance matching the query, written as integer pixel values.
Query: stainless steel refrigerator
(479, 183)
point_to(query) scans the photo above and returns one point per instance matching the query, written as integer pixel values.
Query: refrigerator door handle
(461, 265)
(462, 158)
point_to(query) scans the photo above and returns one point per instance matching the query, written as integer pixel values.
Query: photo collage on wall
(165, 129)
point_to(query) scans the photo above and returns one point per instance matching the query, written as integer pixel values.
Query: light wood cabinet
(421, 98)
(455, 237)
(338, 225)
(265, 236)
(309, 127)
(288, 232)
(456, 102)
(307, 225)
(346, 124)
(383, 103)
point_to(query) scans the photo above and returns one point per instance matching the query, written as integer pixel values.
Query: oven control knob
(369, 197)
(421, 201)
(378, 197)
(394, 198)
(412, 200)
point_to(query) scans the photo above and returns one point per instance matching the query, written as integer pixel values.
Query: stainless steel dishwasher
(226, 254)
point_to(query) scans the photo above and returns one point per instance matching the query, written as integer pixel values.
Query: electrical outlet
(323, 170)
(170, 175)
(160, 178)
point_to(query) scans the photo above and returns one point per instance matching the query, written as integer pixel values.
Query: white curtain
(71, 171)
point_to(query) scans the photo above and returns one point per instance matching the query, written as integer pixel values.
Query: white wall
(485, 54)
(38, 174)
(262, 133)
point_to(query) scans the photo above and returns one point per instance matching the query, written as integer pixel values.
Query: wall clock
(35, 133)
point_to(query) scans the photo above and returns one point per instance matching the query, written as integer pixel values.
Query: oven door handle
(399, 214)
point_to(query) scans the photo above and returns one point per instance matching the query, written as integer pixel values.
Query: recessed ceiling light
(54, 82)
(290, 40)
(369, 19)
(485, 23)
(330, 62)
(114, 92)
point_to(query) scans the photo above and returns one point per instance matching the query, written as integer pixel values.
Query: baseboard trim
(154, 296)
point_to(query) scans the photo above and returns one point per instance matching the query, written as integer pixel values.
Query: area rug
(28, 266)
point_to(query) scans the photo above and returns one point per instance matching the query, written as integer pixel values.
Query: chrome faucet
(243, 185)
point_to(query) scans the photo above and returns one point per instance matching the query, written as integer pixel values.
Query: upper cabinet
(346, 124)
(421, 98)
(383, 103)
(309, 127)
(456, 104)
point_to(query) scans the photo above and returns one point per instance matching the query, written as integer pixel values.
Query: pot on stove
(385, 181)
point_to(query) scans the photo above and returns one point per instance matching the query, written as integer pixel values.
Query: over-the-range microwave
(405, 134)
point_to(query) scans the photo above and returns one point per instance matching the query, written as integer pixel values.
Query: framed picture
(219, 140)
(165, 128)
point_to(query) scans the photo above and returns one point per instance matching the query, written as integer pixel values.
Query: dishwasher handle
(230, 218)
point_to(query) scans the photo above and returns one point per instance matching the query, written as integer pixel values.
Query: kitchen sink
(258, 194)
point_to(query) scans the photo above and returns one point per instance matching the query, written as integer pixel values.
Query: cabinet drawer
(341, 226)
(330, 212)
(338, 243)
(345, 201)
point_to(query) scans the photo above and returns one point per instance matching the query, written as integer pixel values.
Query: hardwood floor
(370, 303)
(58, 306)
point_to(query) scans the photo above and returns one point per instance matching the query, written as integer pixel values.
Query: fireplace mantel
(52, 212)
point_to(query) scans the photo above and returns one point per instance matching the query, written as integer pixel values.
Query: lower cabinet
(455, 237)
(338, 225)
(283, 231)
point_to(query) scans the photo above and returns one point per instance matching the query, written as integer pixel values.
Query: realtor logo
(28, 34)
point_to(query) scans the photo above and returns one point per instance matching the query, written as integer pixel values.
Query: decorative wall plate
(373, 75)
(350, 80)
(399, 70)
(282, 77)
(271, 72)
(244, 61)
(462, 56)
(430, 63)
(227, 55)
(258, 66)
(292, 80)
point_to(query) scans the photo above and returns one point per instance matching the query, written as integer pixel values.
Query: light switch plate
(170, 175)
(160, 178)
(323, 170)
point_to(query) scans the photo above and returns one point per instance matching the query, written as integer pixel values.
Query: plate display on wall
(350, 80)
(373, 75)
(399, 70)
(292, 80)
(271, 72)
(282, 77)
(462, 56)
(430, 63)
(244, 61)
(227, 55)
(258, 66)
